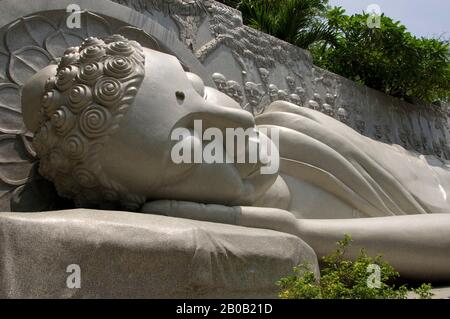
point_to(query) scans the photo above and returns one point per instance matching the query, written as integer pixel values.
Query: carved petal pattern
(15, 164)
(10, 110)
(26, 61)
(4, 58)
(6, 193)
(59, 41)
(145, 39)
(92, 25)
(28, 31)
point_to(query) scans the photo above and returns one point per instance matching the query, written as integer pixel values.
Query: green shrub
(345, 279)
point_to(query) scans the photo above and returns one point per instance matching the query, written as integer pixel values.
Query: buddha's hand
(254, 217)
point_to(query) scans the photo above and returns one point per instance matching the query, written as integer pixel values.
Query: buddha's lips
(201, 153)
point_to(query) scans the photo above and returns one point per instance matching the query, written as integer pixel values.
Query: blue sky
(430, 18)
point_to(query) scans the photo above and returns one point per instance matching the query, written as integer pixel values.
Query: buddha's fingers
(254, 217)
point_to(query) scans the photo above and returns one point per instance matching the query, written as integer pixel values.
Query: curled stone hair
(81, 108)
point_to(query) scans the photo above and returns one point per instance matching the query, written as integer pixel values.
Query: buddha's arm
(374, 178)
(418, 246)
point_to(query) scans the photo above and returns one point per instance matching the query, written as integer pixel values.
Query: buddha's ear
(32, 93)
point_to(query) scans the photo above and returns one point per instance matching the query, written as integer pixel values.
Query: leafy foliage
(388, 58)
(345, 279)
(296, 21)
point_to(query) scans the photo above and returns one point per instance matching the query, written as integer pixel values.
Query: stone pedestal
(127, 255)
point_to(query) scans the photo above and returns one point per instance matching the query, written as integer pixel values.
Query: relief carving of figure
(328, 110)
(343, 115)
(330, 98)
(360, 124)
(329, 104)
(264, 74)
(416, 142)
(387, 133)
(291, 83)
(221, 82)
(283, 95)
(444, 147)
(437, 148)
(273, 92)
(254, 96)
(300, 91)
(235, 91)
(295, 99)
(378, 134)
(404, 137)
(315, 103)
(425, 146)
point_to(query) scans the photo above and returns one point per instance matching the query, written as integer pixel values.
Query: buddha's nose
(222, 117)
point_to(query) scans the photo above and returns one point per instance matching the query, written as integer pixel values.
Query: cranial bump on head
(82, 106)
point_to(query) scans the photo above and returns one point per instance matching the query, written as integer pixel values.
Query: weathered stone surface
(131, 255)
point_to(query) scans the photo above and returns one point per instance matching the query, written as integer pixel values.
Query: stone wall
(255, 68)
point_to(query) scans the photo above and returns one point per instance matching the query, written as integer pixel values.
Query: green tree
(388, 59)
(300, 22)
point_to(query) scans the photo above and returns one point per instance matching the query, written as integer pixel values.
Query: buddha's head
(103, 118)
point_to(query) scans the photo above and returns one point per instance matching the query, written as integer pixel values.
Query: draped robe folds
(332, 171)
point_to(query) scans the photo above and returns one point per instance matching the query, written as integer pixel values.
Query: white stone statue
(102, 121)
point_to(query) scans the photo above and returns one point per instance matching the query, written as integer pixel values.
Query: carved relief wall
(255, 69)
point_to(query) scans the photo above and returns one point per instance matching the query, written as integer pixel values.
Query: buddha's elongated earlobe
(32, 95)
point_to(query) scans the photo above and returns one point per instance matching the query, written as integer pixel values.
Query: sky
(428, 18)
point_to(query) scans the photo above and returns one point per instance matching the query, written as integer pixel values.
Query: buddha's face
(138, 154)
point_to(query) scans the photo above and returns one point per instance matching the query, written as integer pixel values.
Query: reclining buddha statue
(102, 121)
